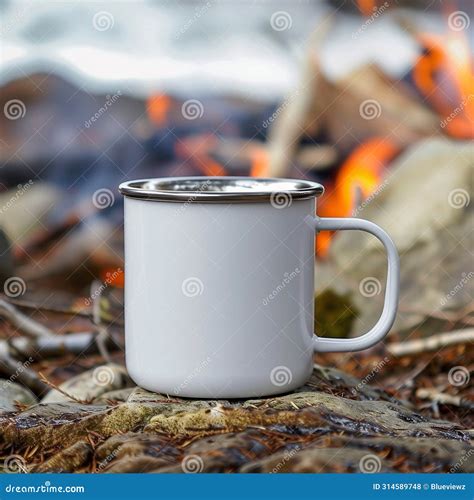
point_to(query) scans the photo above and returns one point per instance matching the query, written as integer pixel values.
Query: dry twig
(431, 343)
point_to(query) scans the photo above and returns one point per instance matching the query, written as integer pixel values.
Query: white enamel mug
(219, 285)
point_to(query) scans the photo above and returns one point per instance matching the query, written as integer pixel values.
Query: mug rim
(218, 189)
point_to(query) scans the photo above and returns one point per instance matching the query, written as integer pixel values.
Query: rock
(326, 426)
(119, 396)
(24, 209)
(10, 392)
(364, 455)
(439, 172)
(69, 460)
(318, 460)
(91, 384)
(135, 452)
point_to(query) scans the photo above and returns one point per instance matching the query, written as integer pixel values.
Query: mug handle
(387, 318)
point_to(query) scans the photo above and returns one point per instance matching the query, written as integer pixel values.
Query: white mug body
(219, 297)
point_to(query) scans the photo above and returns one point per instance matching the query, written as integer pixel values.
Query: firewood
(432, 343)
(27, 325)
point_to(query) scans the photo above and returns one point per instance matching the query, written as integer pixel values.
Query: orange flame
(113, 277)
(446, 68)
(357, 179)
(367, 7)
(198, 149)
(260, 163)
(157, 108)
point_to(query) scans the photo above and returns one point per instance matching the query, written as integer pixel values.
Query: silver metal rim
(220, 189)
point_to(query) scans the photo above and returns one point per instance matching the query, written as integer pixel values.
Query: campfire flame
(158, 107)
(367, 7)
(260, 163)
(444, 75)
(357, 179)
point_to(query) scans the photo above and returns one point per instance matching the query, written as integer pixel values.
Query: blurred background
(373, 99)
